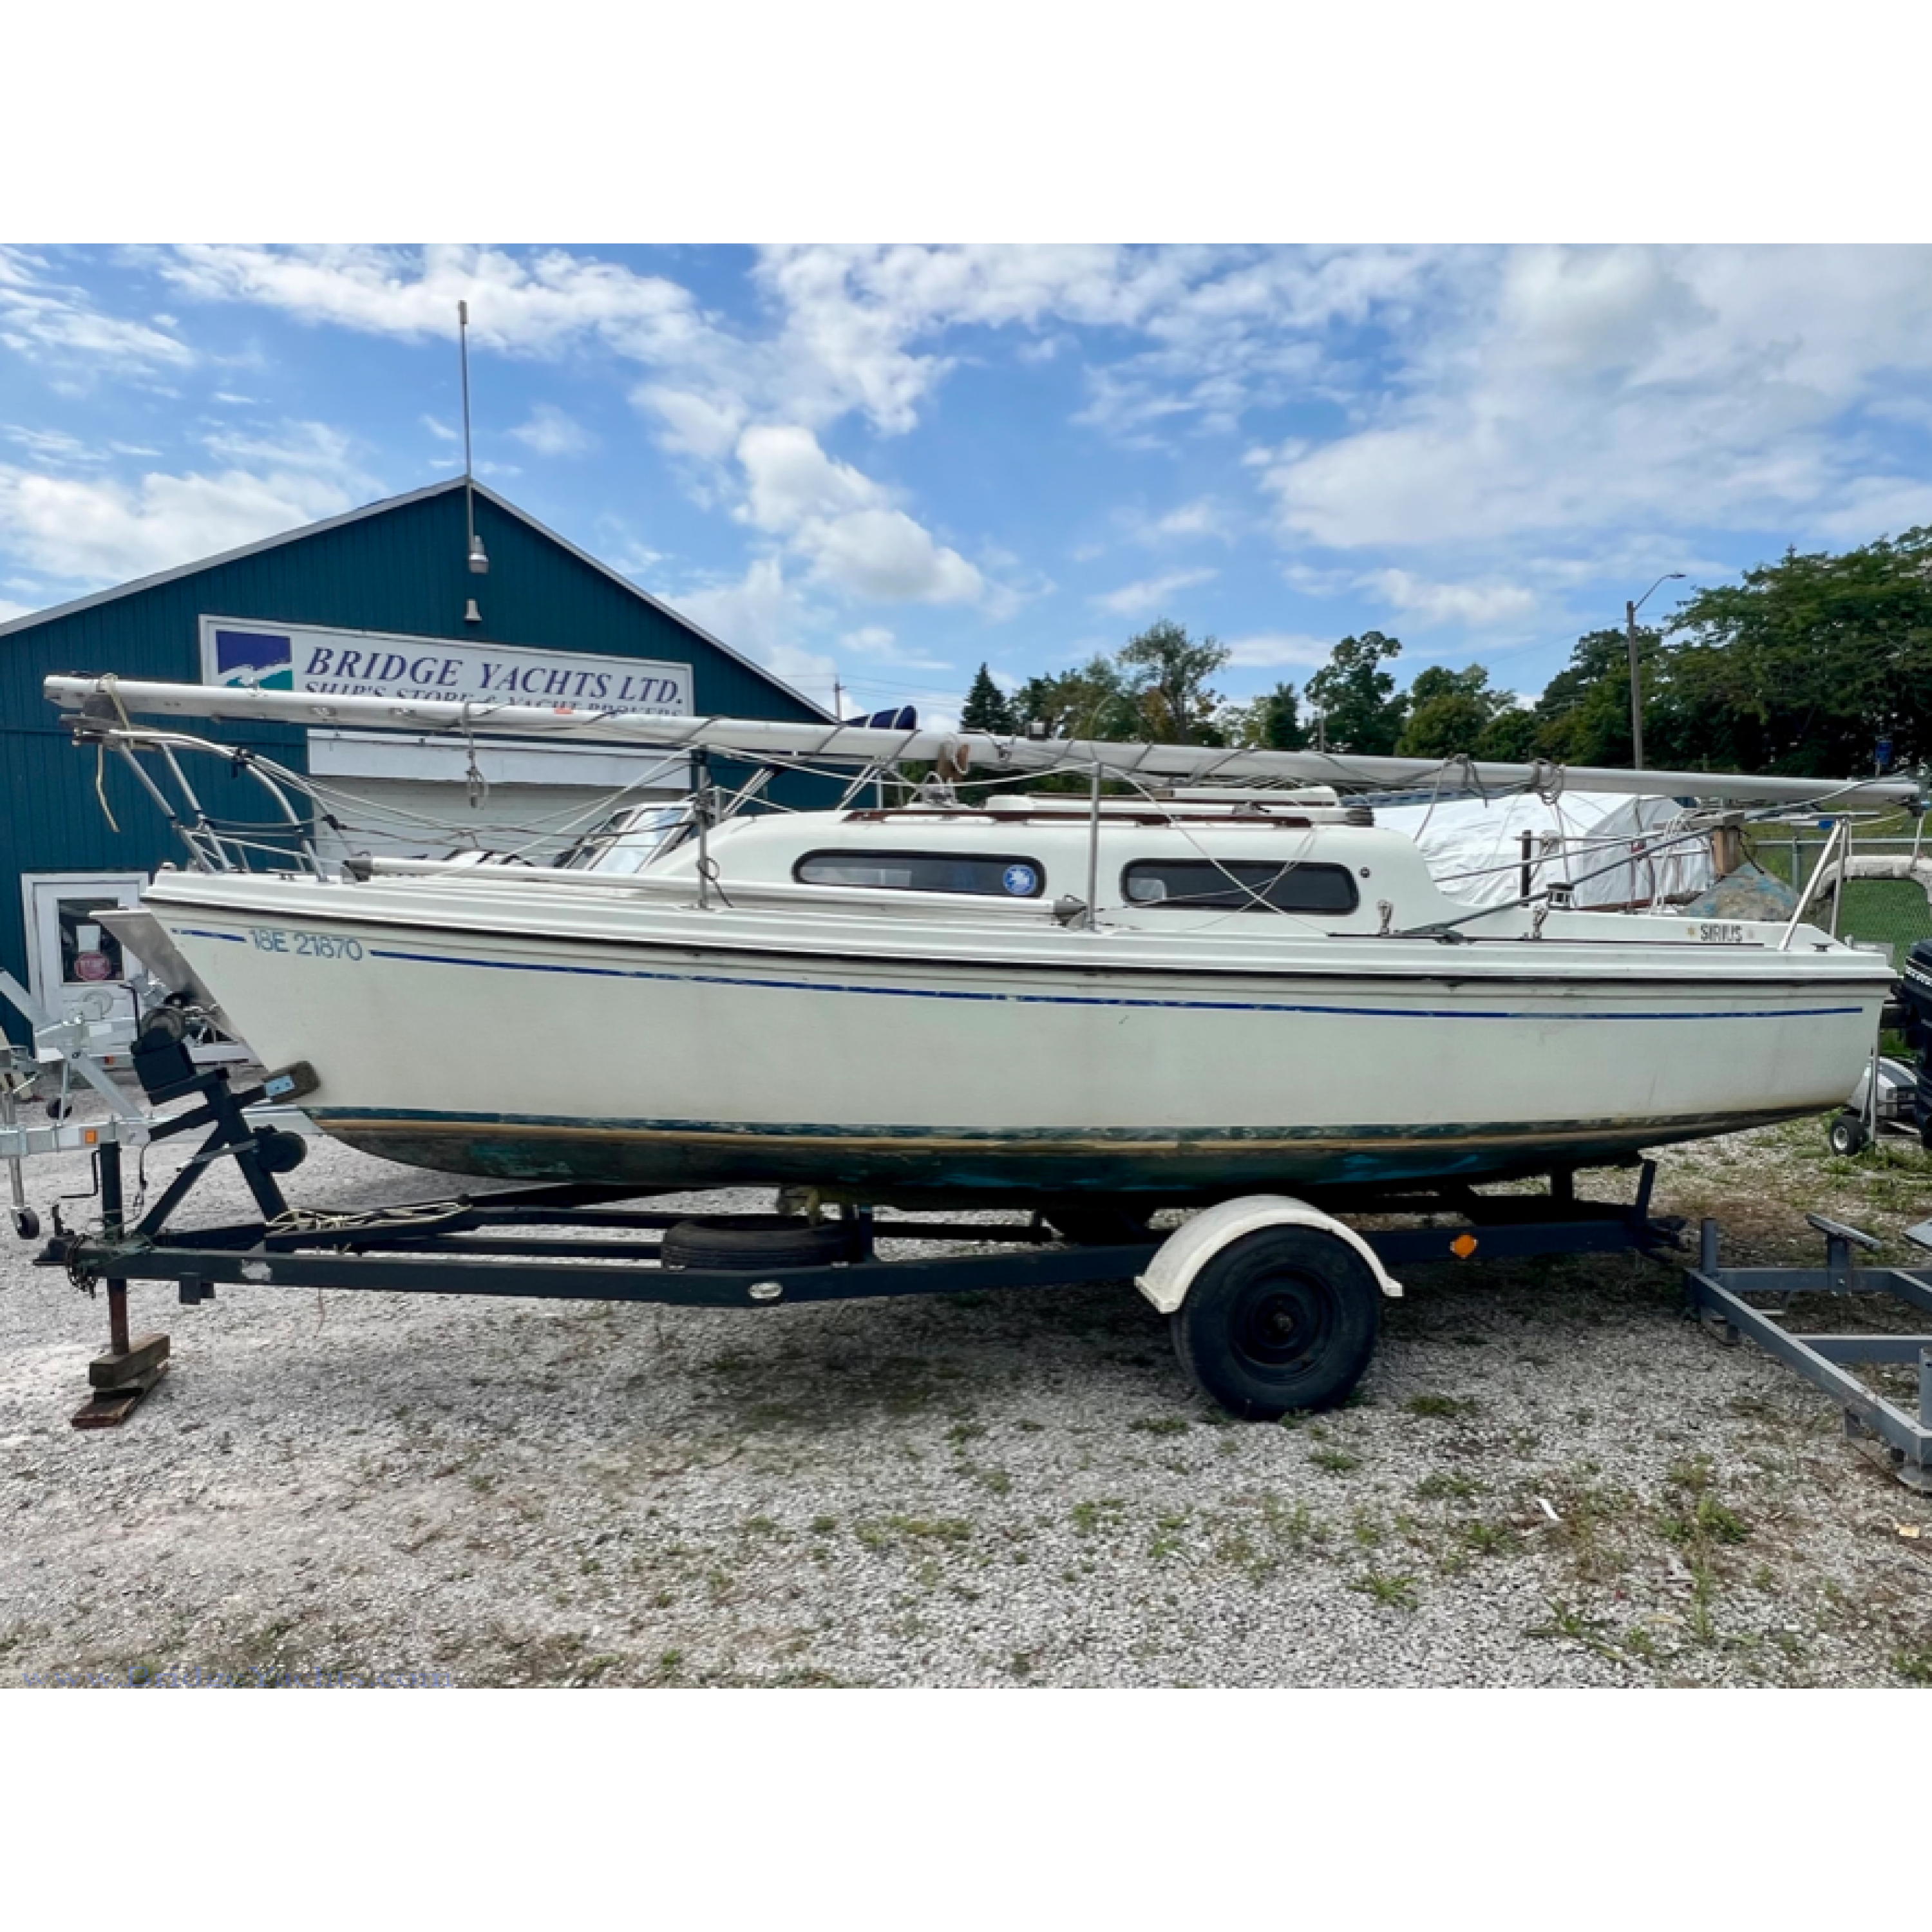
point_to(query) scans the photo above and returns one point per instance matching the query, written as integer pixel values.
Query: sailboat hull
(700, 1049)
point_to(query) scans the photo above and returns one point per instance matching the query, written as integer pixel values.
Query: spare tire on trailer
(758, 1241)
(1283, 1318)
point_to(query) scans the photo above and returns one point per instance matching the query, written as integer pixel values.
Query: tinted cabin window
(1195, 884)
(995, 877)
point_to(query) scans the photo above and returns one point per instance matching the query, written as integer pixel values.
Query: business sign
(372, 663)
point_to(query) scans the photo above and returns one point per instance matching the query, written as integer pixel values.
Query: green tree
(1092, 701)
(1449, 711)
(1271, 722)
(1583, 716)
(1512, 737)
(986, 708)
(1804, 666)
(1165, 673)
(1361, 710)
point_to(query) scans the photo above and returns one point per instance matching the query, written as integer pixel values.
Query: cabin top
(1145, 863)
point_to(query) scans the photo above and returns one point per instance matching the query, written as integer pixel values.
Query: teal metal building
(397, 575)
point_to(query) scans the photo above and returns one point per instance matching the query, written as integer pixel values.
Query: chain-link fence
(1895, 913)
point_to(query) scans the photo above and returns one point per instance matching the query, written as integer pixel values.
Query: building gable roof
(35, 618)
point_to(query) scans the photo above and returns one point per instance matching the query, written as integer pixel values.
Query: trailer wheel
(758, 1241)
(1283, 1318)
(26, 1224)
(1847, 1135)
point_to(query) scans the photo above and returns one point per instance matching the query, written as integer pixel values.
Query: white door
(78, 969)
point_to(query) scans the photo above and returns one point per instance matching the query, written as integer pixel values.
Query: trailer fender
(1191, 1246)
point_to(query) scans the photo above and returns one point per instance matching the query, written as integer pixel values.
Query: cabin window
(1239, 886)
(992, 875)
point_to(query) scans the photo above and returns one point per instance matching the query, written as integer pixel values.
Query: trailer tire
(758, 1241)
(1283, 1318)
(1847, 1135)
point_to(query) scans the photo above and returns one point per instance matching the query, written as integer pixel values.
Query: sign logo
(262, 657)
(1022, 881)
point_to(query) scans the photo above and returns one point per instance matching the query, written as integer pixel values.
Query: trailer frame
(598, 1245)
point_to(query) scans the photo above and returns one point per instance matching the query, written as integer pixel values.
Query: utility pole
(1631, 609)
(1636, 693)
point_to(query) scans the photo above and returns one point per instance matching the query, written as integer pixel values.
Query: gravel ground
(1549, 1477)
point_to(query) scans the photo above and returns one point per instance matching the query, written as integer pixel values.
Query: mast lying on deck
(110, 702)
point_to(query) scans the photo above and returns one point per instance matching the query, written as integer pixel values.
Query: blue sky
(890, 464)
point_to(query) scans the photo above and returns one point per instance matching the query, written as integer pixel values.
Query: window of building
(1239, 886)
(993, 876)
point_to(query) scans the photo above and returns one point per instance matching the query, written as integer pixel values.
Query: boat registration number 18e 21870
(305, 945)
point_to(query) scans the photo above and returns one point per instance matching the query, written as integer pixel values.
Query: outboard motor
(1914, 997)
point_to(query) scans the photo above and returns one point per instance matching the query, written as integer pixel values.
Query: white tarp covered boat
(1489, 851)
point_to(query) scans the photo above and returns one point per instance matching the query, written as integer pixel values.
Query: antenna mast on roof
(479, 561)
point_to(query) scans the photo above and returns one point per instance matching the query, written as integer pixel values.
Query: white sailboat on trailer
(1185, 993)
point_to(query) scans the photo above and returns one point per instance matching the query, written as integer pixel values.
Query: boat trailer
(593, 1244)
(1258, 1290)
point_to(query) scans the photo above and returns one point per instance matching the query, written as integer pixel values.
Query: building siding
(401, 569)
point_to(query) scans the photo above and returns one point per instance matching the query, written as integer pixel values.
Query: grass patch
(1160, 1425)
(1393, 1592)
(1167, 1528)
(1447, 1485)
(1706, 1523)
(1483, 1539)
(1090, 1518)
(1336, 1462)
(1441, 1408)
(1914, 1666)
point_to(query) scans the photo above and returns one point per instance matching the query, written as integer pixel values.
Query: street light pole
(1636, 680)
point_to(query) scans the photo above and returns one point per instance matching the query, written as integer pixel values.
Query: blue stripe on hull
(766, 984)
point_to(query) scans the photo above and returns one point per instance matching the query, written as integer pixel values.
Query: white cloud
(1203, 517)
(694, 425)
(619, 546)
(315, 446)
(1145, 597)
(840, 520)
(874, 640)
(551, 431)
(99, 531)
(1269, 649)
(537, 305)
(1476, 604)
(1575, 391)
(792, 481)
(52, 446)
(48, 321)
(441, 431)
(762, 616)
(884, 554)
